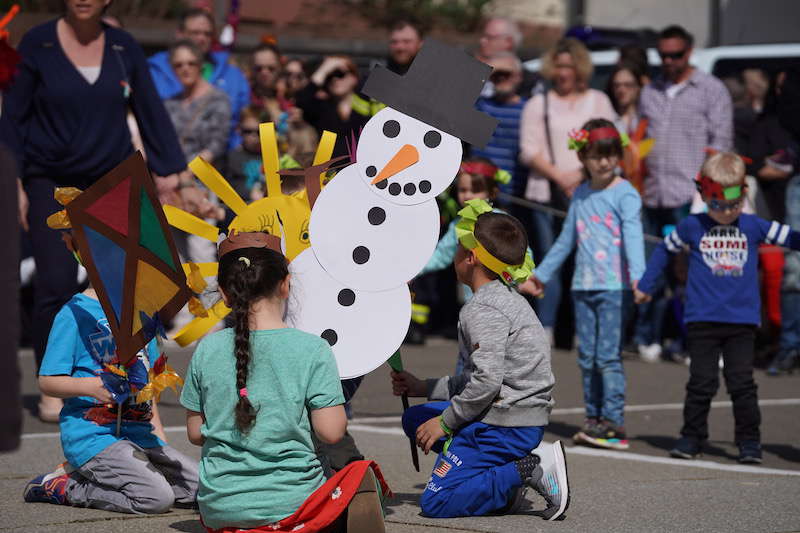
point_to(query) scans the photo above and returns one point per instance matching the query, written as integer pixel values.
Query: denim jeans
(600, 324)
(790, 321)
(541, 240)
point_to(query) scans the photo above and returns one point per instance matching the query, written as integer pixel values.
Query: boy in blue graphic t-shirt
(133, 471)
(722, 302)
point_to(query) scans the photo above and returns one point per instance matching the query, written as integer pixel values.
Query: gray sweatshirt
(507, 380)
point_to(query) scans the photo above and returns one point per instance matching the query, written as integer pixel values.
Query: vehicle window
(724, 68)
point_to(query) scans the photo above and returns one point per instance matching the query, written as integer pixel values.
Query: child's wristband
(444, 427)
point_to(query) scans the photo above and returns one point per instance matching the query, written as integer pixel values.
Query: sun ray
(212, 179)
(178, 218)
(324, 152)
(207, 270)
(199, 326)
(270, 158)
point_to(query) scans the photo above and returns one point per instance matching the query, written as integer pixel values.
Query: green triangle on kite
(151, 233)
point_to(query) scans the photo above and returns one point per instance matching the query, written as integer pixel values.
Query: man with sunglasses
(687, 111)
(197, 25)
(505, 105)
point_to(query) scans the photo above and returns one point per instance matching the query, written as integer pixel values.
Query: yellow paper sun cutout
(282, 215)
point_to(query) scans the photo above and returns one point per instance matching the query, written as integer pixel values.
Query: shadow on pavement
(784, 451)
(30, 402)
(188, 526)
(667, 443)
(560, 429)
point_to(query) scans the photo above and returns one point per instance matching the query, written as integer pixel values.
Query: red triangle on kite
(112, 207)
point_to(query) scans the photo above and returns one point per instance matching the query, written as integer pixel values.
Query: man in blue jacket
(197, 25)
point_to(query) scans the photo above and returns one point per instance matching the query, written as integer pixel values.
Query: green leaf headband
(578, 139)
(465, 232)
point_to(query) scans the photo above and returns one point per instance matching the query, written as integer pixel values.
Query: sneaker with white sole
(49, 488)
(550, 479)
(650, 353)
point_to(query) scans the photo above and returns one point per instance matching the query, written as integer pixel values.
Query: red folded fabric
(324, 505)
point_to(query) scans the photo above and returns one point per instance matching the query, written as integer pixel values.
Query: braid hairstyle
(247, 275)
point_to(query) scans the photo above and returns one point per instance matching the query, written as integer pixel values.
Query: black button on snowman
(375, 225)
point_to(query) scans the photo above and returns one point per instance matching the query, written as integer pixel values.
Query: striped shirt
(503, 148)
(699, 115)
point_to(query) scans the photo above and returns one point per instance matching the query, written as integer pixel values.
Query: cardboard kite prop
(127, 249)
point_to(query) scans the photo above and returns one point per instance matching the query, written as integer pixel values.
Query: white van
(722, 61)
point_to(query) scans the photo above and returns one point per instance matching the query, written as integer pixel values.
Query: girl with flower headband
(253, 393)
(603, 223)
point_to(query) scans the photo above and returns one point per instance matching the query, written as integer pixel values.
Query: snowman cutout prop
(376, 224)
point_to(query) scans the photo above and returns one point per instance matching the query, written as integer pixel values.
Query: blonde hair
(580, 56)
(726, 168)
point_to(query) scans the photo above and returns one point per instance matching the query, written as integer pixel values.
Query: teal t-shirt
(257, 478)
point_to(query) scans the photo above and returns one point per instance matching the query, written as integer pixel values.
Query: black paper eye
(391, 128)
(432, 139)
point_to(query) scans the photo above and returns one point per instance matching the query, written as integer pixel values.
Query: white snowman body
(376, 236)
(365, 241)
(363, 328)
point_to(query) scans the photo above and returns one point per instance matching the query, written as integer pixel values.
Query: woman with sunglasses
(201, 114)
(65, 120)
(328, 101)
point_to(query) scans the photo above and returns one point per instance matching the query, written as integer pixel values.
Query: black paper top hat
(440, 89)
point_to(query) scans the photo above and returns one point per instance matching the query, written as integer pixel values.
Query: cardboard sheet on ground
(368, 243)
(419, 160)
(128, 251)
(363, 328)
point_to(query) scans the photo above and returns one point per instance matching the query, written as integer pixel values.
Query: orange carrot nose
(404, 158)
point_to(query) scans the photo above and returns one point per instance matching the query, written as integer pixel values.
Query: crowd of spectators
(193, 100)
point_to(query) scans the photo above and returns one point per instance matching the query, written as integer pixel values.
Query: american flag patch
(443, 468)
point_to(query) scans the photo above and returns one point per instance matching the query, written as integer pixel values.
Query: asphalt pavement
(638, 490)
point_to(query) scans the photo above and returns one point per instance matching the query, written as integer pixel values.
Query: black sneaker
(750, 452)
(686, 448)
(784, 362)
(604, 435)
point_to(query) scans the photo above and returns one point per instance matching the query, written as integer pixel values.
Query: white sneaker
(650, 353)
(550, 479)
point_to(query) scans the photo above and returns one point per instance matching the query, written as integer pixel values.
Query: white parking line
(628, 408)
(709, 465)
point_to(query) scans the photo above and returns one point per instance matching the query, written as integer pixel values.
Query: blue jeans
(541, 240)
(600, 324)
(476, 475)
(790, 321)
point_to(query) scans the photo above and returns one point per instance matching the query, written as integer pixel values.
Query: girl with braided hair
(253, 393)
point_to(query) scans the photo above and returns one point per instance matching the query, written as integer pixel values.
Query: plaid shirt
(699, 116)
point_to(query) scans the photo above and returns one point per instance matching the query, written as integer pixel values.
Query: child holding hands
(498, 407)
(253, 393)
(722, 302)
(604, 223)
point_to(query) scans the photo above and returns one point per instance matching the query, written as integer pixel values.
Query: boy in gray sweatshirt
(491, 421)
